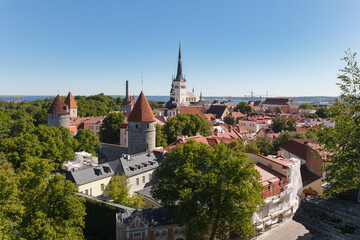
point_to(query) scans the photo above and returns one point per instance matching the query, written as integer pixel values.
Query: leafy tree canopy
(265, 145)
(209, 190)
(244, 108)
(118, 190)
(306, 106)
(230, 120)
(323, 112)
(110, 129)
(185, 124)
(342, 166)
(252, 147)
(281, 123)
(86, 141)
(160, 138)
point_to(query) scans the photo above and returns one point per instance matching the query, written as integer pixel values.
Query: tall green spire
(179, 74)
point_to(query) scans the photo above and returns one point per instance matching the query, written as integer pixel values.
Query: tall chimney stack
(127, 88)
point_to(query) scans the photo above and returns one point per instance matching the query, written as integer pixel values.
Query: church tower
(179, 83)
(70, 102)
(141, 127)
(58, 114)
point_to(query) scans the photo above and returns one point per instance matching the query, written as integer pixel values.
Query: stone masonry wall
(333, 219)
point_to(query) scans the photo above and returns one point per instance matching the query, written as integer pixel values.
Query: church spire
(179, 74)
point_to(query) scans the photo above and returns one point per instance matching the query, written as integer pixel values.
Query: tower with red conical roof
(71, 103)
(141, 127)
(58, 114)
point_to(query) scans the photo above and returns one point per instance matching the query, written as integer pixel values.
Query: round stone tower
(141, 127)
(58, 114)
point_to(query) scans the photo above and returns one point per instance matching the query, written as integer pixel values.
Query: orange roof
(142, 111)
(58, 106)
(83, 126)
(193, 110)
(70, 101)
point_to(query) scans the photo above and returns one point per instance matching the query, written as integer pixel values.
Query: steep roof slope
(142, 111)
(58, 106)
(70, 101)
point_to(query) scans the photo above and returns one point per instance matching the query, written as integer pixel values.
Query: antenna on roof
(142, 81)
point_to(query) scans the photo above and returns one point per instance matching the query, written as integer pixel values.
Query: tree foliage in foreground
(209, 190)
(118, 190)
(185, 124)
(342, 166)
(36, 204)
(160, 138)
(87, 141)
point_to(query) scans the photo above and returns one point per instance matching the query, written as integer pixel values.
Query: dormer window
(136, 126)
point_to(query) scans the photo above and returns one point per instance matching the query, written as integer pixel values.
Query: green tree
(209, 190)
(118, 190)
(237, 145)
(265, 146)
(160, 139)
(229, 120)
(306, 106)
(323, 112)
(185, 124)
(87, 141)
(342, 166)
(11, 208)
(282, 138)
(110, 129)
(290, 124)
(52, 210)
(244, 108)
(252, 147)
(281, 123)
(278, 124)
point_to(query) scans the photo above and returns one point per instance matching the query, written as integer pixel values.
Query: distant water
(314, 99)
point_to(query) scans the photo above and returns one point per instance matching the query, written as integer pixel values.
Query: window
(163, 233)
(147, 125)
(143, 179)
(136, 126)
(137, 235)
(150, 177)
(87, 192)
(157, 233)
(271, 188)
(137, 181)
(176, 231)
(102, 187)
(137, 223)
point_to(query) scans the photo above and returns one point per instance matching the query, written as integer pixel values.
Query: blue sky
(285, 48)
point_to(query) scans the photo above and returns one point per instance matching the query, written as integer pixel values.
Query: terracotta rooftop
(58, 106)
(278, 101)
(142, 111)
(268, 175)
(193, 110)
(83, 126)
(95, 120)
(70, 101)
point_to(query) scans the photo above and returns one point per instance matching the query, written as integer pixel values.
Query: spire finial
(179, 74)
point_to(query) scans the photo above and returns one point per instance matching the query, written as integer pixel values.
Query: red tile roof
(83, 126)
(278, 101)
(95, 120)
(70, 101)
(193, 110)
(298, 146)
(58, 106)
(142, 111)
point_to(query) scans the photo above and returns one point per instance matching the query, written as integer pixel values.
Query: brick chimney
(280, 153)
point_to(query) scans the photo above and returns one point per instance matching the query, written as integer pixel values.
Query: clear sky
(288, 48)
